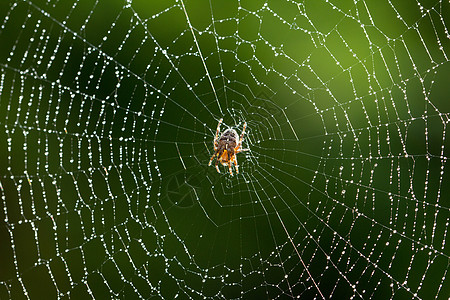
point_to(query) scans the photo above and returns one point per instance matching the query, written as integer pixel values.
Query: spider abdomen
(229, 137)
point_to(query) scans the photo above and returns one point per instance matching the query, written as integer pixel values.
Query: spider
(226, 147)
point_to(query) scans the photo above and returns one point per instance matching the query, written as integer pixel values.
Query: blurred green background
(109, 115)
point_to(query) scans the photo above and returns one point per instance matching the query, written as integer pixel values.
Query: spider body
(226, 147)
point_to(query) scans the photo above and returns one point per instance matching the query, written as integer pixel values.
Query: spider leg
(243, 130)
(212, 157)
(229, 167)
(236, 164)
(217, 167)
(217, 132)
(241, 138)
(241, 150)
